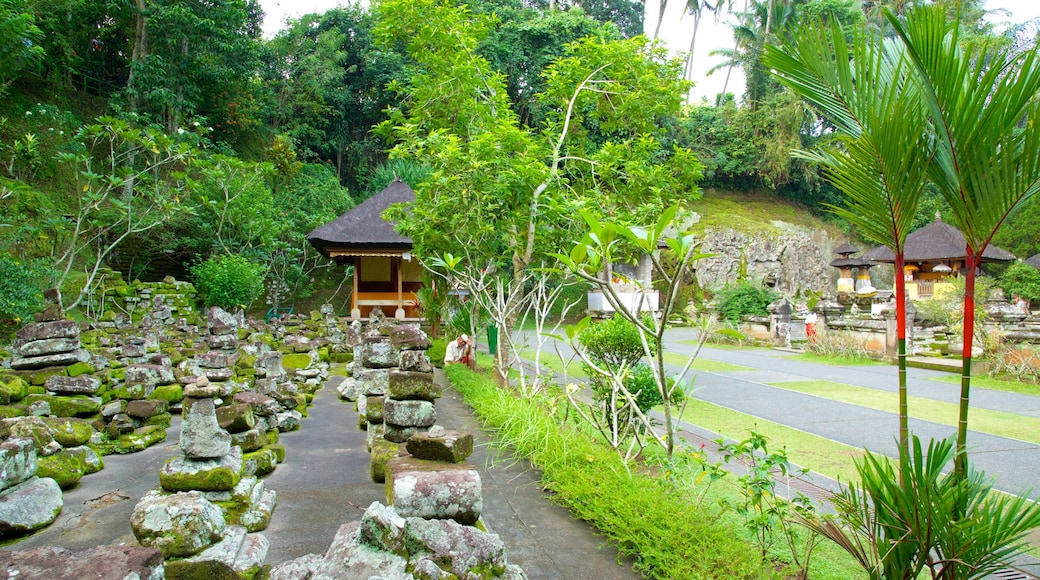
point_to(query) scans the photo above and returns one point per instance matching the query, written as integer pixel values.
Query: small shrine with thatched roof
(386, 276)
(850, 287)
(933, 255)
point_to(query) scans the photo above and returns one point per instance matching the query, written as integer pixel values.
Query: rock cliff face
(795, 258)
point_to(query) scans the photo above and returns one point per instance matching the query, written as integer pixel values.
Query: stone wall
(796, 259)
(118, 299)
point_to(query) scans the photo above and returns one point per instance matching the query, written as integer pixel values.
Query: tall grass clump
(668, 534)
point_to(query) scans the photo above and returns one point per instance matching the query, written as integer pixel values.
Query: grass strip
(703, 364)
(998, 423)
(840, 361)
(1008, 386)
(642, 515)
(824, 456)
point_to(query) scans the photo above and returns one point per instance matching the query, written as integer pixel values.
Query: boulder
(458, 550)
(18, 461)
(236, 417)
(145, 374)
(220, 322)
(409, 337)
(30, 505)
(250, 440)
(261, 404)
(404, 385)
(68, 405)
(349, 389)
(434, 490)
(287, 421)
(181, 524)
(34, 428)
(122, 562)
(201, 435)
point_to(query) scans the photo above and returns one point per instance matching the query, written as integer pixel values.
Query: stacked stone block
(208, 514)
(52, 343)
(27, 502)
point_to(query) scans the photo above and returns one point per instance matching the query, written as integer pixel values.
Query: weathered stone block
(80, 385)
(409, 413)
(47, 330)
(63, 467)
(68, 406)
(260, 462)
(409, 337)
(18, 461)
(149, 375)
(181, 525)
(51, 360)
(458, 551)
(263, 405)
(404, 385)
(349, 389)
(201, 435)
(33, 428)
(416, 361)
(399, 434)
(236, 417)
(48, 346)
(13, 389)
(439, 445)
(434, 490)
(144, 409)
(374, 408)
(213, 360)
(249, 440)
(373, 381)
(377, 354)
(181, 474)
(140, 439)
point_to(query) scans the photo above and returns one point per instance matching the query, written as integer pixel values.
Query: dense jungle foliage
(153, 135)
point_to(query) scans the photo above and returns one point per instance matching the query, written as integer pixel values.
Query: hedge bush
(230, 282)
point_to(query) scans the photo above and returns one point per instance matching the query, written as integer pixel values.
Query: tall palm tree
(880, 156)
(985, 116)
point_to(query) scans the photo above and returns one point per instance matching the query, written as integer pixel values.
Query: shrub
(230, 282)
(438, 346)
(745, 299)
(21, 288)
(1023, 280)
(613, 342)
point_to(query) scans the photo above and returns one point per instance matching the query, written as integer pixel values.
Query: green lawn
(998, 423)
(843, 361)
(994, 384)
(822, 455)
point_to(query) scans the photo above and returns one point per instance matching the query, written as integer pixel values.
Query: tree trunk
(140, 51)
(961, 461)
(904, 427)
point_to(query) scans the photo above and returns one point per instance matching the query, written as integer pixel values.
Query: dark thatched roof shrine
(1034, 261)
(937, 241)
(363, 228)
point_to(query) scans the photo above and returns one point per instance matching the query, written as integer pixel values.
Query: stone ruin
(27, 502)
(431, 527)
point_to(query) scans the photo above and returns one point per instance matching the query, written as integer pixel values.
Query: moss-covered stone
(296, 360)
(39, 377)
(13, 389)
(69, 432)
(260, 462)
(180, 474)
(279, 452)
(382, 452)
(132, 392)
(342, 357)
(118, 372)
(65, 468)
(209, 570)
(168, 393)
(67, 406)
(79, 368)
(245, 361)
(272, 436)
(162, 419)
(140, 439)
(323, 354)
(8, 411)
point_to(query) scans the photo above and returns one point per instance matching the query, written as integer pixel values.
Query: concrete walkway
(324, 483)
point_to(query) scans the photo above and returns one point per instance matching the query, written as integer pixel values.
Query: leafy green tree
(983, 106)
(880, 159)
(744, 299)
(500, 193)
(129, 180)
(19, 38)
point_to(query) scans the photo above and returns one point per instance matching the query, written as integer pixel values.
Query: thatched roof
(1034, 261)
(851, 263)
(936, 242)
(845, 248)
(363, 228)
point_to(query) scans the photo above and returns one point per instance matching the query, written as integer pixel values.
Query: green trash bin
(492, 339)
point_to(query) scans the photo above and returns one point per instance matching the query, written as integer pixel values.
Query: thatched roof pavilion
(936, 242)
(385, 275)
